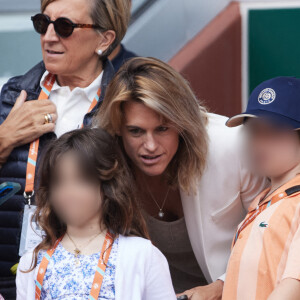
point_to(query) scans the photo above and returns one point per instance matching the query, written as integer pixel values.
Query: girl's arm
(25, 281)
(158, 279)
(288, 289)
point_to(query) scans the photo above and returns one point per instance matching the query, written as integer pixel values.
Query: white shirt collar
(90, 91)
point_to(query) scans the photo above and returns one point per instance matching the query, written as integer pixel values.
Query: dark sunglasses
(63, 27)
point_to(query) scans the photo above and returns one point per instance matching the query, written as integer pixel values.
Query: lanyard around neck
(264, 205)
(99, 273)
(34, 146)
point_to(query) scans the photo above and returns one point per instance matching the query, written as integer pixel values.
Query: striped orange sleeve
(292, 269)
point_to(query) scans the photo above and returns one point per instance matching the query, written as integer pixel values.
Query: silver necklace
(161, 214)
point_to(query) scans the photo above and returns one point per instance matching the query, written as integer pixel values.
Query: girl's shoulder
(26, 259)
(135, 243)
(142, 267)
(141, 248)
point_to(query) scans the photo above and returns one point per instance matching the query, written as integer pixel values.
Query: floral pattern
(64, 279)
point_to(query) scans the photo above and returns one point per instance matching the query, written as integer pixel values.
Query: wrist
(6, 146)
(219, 284)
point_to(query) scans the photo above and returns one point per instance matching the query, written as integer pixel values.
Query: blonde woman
(193, 185)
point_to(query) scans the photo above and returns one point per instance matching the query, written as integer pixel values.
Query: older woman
(193, 184)
(76, 38)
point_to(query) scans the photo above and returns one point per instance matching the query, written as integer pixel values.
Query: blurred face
(66, 56)
(149, 141)
(75, 199)
(274, 150)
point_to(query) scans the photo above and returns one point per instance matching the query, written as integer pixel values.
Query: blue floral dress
(68, 280)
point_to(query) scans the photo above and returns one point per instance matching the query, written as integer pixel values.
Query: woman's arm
(288, 289)
(24, 124)
(5, 147)
(211, 291)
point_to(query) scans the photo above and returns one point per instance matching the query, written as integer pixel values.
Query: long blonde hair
(159, 87)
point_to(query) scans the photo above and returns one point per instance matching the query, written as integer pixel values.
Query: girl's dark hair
(100, 159)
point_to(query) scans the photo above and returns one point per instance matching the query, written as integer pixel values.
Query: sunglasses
(63, 27)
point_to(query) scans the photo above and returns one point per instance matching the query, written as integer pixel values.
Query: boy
(265, 258)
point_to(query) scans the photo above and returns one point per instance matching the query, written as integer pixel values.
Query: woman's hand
(25, 123)
(212, 291)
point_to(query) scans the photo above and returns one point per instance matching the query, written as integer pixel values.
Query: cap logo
(266, 96)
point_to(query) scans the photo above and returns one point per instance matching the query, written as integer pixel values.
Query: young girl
(265, 260)
(94, 245)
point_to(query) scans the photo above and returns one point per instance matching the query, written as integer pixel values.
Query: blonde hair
(108, 15)
(159, 87)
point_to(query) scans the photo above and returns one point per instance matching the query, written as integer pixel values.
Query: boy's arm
(288, 289)
(289, 286)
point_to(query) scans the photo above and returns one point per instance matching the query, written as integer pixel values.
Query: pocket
(216, 215)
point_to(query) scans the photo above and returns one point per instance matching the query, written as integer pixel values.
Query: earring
(99, 52)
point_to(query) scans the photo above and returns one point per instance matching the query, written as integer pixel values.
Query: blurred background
(224, 48)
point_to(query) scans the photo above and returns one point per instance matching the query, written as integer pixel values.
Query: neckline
(60, 245)
(88, 90)
(82, 255)
(180, 220)
(281, 189)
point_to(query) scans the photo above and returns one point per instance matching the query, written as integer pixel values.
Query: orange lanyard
(34, 146)
(99, 273)
(262, 206)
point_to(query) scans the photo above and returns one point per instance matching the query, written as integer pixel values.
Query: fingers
(43, 106)
(189, 293)
(54, 117)
(41, 127)
(48, 127)
(20, 100)
(38, 109)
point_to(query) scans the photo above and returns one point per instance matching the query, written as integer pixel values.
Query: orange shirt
(267, 250)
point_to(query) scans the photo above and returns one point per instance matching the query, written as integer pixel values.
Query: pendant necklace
(161, 213)
(78, 250)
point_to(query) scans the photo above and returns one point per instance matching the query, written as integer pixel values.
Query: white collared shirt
(72, 105)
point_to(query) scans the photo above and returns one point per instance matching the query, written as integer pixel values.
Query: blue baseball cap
(276, 100)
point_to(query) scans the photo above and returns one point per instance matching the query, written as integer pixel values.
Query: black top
(172, 239)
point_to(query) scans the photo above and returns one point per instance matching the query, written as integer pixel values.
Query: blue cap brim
(276, 119)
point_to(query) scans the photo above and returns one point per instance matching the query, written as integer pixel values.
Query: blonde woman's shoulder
(220, 121)
(219, 132)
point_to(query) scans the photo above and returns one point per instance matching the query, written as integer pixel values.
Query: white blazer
(224, 192)
(142, 273)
